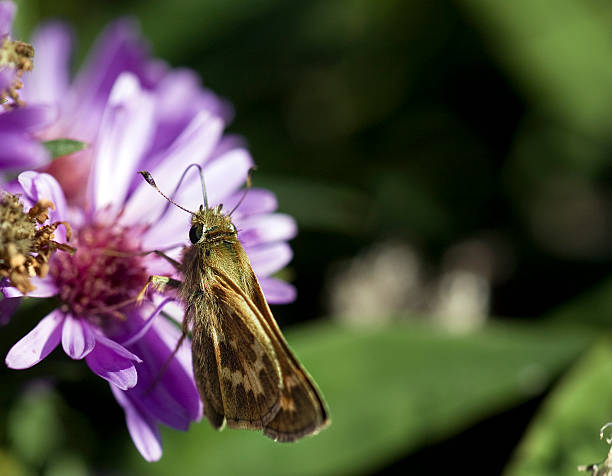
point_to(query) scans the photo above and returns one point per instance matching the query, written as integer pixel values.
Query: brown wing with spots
(301, 409)
(235, 365)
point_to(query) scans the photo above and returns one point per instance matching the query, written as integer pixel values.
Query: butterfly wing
(235, 365)
(301, 409)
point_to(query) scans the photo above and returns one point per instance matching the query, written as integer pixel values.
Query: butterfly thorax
(215, 249)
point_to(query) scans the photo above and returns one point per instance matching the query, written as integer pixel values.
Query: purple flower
(97, 320)
(75, 106)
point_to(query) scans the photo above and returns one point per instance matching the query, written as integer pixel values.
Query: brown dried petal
(25, 242)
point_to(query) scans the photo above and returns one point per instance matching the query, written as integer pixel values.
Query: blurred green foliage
(384, 398)
(564, 434)
(427, 121)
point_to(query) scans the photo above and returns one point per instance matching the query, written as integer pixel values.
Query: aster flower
(78, 103)
(97, 320)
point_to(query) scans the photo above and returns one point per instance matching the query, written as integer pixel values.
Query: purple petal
(179, 87)
(38, 186)
(7, 75)
(77, 339)
(174, 309)
(266, 228)
(14, 188)
(171, 397)
(227, 143)
(179, 99)
(7, 12)
(125, 133)
(48, 81)
(193, 145)
(142, 428)
(169, 334)
(19, 151)
(28, 119)
(38, 343)
(268, 259)
(173, 229)
(7, 307)
(175, 232)
(147, 324)
(45, 287)
(119, 49)
(222, 176)
(113, 362)
(256, 201)
(225, 175)
(277, 291)
(160, 266)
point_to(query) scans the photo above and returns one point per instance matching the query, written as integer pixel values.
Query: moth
(245, 372)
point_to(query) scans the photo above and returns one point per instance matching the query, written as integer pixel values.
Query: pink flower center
(104, 274)
(71, 171)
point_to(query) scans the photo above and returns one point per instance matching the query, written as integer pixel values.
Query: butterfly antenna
(147, 176)
(204, 196)
(178, 185)
(248, 187)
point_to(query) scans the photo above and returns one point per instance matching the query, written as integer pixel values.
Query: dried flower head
(26, 243)
(18, 56)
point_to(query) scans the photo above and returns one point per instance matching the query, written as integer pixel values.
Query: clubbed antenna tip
(147, 176)
(247, 188)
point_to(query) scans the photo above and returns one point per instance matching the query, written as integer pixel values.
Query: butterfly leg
(163, 255)
(159, 283)
(160, 373)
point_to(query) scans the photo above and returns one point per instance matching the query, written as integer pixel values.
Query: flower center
(103, 276)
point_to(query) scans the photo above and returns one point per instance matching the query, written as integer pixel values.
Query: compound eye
(195, 233)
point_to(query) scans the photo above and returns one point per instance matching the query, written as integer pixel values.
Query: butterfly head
(210, 224)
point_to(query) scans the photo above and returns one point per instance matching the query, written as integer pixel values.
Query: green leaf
(592, 308)
(389, 392)
(565, 433)
(61, 147)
